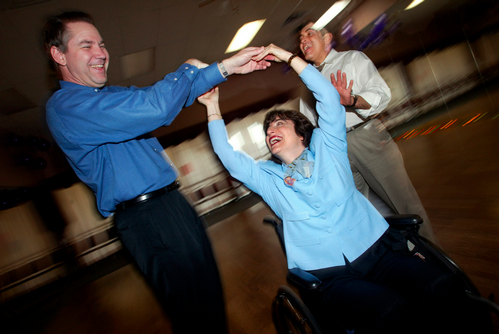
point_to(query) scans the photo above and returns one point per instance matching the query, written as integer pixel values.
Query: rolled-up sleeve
(369, 84)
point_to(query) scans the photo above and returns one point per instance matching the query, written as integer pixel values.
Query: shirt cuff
(373, 99)
(213, 75)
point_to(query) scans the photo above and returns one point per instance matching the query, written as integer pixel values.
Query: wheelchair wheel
(291, 316)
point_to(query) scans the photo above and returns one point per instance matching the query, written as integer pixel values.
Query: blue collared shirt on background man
(103, 131)
(325, 217)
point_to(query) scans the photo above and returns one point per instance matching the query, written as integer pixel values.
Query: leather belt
(351, 128)
(356, 126)
(145, 197)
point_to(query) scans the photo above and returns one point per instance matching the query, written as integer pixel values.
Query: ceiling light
(413, 4)
(330, 14)
(244, 35)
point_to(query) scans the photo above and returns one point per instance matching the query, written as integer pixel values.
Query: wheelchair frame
(291, 314)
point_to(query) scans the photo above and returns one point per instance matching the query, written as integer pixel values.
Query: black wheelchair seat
(309, 314)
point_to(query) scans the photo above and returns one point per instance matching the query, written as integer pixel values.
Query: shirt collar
(72, 85)
(302, 165)
(330, 56)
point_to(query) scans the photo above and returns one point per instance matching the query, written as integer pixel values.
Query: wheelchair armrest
(404, 222)
(303, 279)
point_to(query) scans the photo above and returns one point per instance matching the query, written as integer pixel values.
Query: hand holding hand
(273, 53)
(341, 86)
(210, 97)
(243, 62)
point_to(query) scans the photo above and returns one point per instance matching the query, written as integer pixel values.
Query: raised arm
(239, 165)
(373, 94)
(331, 112)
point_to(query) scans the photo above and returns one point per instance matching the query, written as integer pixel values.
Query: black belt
(356, 126)
(145, 197)
(351, 128)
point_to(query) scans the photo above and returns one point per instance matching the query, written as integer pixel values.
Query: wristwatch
(222, 68)
(355, 98)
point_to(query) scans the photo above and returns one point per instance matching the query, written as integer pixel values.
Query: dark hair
(304, 23)
(55, 29)
(303, 126)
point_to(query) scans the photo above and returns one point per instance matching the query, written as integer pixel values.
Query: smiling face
(86, 59)
(282, 140)
(314, 46)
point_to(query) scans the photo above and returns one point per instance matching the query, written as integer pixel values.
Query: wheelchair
(307, 313)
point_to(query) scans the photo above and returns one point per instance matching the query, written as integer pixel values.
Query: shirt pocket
(298, 231)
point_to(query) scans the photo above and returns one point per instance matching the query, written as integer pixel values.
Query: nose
(100, 53)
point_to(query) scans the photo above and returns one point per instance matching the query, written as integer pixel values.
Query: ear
(328, 38)
(58, 56)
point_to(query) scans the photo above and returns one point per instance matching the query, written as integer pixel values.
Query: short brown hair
(303, 126)
(55, 29)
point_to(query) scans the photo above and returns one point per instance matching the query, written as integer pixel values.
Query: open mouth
(101, 66)
(274, 140)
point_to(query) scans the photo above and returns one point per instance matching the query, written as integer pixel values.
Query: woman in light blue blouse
(331, 229)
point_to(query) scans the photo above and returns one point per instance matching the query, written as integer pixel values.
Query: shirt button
(175, 79)
(329, 231)
(186, 67)
(323, 217)
(96, 90)
(192, 71)
(310, 193)
(317, 205)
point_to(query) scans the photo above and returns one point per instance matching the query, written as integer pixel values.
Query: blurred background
(440, 59)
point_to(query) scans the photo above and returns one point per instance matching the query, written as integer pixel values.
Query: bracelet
(222, 68)
(355, 98)
(291, 58)
(213, 115)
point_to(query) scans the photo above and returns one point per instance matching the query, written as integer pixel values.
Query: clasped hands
(245, 61)
(249, 59)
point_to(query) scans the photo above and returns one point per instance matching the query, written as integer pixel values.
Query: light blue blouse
(325, 217)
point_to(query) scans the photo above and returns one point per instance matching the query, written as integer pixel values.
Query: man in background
(374, 157)
(103, 133)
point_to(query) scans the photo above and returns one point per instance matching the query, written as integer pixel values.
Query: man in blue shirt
(103, 133)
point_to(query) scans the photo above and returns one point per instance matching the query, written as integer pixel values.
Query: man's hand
(346, 98)
(196, 62)
(273, 53)
(243, 62)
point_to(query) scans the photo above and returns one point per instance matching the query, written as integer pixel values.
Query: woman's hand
(210, 97)
(273, 53)
(196, 62)
(210, 100)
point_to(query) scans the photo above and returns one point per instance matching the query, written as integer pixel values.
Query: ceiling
(147, 39)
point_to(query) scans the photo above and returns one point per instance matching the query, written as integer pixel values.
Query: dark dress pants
(389, 290)
(169, 244)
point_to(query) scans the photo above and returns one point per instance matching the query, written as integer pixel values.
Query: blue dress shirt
(325, 218)
(103, 132)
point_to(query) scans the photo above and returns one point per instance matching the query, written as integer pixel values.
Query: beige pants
(377, 163)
